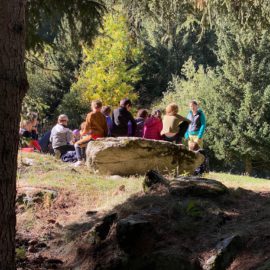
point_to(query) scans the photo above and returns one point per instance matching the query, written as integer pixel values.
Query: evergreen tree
(51, 73)
(239, 106)
(170, 33)
(110, 70)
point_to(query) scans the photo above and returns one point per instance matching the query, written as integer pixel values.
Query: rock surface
(131, 156)
(133, 233)
(224, 253)
(201, 187)
(185, 186)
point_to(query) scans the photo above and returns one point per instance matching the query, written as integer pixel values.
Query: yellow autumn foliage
(110, 70)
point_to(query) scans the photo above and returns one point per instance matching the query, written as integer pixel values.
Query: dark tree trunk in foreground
(13, 85)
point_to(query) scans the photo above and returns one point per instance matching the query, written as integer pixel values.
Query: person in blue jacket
(197, 126)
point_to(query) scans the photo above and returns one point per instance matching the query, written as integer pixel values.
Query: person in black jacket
(121, 117)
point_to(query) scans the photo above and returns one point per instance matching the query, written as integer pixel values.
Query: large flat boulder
(131, 156)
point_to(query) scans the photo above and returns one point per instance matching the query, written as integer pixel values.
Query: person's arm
(182, 118)
(203, 126)
(187, 133)
(87, 127)
(51, 135)
(144, 130)
(106, 130)
(69, 136)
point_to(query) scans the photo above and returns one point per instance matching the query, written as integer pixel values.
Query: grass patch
(99, 191)
(242, 181)
(102, 191)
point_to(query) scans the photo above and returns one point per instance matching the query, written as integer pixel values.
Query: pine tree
(110, 70)
(239, 106)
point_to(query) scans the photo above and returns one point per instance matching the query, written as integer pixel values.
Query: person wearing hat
(61, 137)
(121, 118)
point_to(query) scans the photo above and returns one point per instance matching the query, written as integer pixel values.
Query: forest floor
(57, 204)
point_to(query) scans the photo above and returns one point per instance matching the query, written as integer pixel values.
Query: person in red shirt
(153, 126)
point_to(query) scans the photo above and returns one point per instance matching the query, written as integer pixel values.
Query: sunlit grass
(236, 181)
(100, 191)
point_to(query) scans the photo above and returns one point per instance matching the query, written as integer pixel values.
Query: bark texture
(13, 86)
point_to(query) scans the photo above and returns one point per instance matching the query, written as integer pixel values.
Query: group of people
(102, 122)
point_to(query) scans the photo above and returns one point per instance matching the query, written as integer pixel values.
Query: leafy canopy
(44, 20)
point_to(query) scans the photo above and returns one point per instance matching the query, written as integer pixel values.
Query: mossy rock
(224, 253)
(135, 156)
(198, 187)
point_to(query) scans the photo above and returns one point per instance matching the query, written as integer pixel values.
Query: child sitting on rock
(204, 167)
(153, 126)
(106, 110)
(121, 118)
(141, 117)
(174, 125)
(95, 127)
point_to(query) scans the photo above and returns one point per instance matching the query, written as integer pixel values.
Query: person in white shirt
(61, 137)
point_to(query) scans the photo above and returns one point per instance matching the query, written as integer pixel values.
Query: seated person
(27, 137)
(153, 126)
(33, 118)
(174, 125)
(76, 135)
(106, 110)
(61, 137)
(95, 127)
(44, 142)
(204, 167)
(141, 117)
(121, 117)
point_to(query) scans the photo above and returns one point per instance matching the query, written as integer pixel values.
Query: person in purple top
(141, 117)
(106, 110)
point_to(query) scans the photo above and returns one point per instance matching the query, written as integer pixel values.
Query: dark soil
(184, 228)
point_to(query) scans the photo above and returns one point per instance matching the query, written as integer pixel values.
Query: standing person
(95, 127)
(61, 137)
(141, 117)
(174, 125)
(106, 110)
(197, 124)
(120, 117)
(153, 126)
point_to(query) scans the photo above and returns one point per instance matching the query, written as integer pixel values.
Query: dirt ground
(53, 233)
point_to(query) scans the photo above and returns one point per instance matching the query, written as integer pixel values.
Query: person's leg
(80, 147)
(64, 148)
(83, 152)
(78, 151)
(190, 142)
(169, 139)
(194, 138)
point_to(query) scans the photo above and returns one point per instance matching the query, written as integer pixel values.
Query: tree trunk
(248, 166)
(13, 86)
